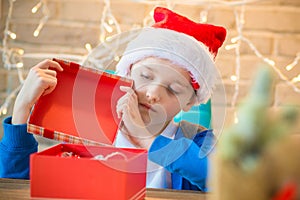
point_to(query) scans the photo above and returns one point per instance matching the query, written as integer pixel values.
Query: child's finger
(50, 72)
(126, 89)
(46, 64)
(51, 85)
(125, 116)
(120, 109)
(119, 112)
(129, 91)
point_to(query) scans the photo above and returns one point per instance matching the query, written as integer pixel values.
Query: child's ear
(190, 104)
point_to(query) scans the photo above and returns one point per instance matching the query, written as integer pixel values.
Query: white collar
(122, 141)
(170, 130)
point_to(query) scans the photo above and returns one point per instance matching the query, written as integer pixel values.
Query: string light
(239, 19)
(20, 51)
(4, 111)
(36, 7)
(289, 67)
(294, 63)
(107, 27)
(12, 35)
(272, 64)
(5, 50)
(107, 22)
(4, 107)
(148, 20)
(203, 16)
(110, 21)
(296, 79)
(19, 65)
(269, 61)
(233, 78)
(116, 58)
(204, 13)
(11, 58)
(88, 46)
(46, 14)
(230, 46)
(236, 42)
(235, 39)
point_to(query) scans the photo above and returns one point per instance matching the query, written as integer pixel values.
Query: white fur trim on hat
(180, 49)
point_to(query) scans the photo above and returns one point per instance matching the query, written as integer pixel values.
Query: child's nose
(153, 93)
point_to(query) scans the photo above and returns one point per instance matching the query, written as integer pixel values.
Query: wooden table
(14, 189)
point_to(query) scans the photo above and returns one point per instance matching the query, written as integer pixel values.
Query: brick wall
(271, 25)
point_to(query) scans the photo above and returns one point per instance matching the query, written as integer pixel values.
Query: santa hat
(188, 44)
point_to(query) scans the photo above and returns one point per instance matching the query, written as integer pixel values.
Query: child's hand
(132, 124)
(41, 80)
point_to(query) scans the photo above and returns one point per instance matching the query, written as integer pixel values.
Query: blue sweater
(15, 148)
(185, 156)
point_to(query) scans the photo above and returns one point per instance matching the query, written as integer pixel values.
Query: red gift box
(82, 111)
(119, 177)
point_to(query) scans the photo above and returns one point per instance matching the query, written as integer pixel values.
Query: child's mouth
(147, 107)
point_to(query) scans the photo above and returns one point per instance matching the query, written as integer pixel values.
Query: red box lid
(81, 109)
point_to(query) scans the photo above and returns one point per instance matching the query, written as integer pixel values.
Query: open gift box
(81, 111)
(121, 176)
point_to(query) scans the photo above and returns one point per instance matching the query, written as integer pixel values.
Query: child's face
(163, 89)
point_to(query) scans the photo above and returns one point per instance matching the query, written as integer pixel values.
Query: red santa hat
(188, 44)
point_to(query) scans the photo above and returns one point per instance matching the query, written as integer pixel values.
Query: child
(172, 67)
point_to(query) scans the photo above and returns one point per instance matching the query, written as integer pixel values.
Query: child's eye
(173, 90)
(176, 88)
(145, 76)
